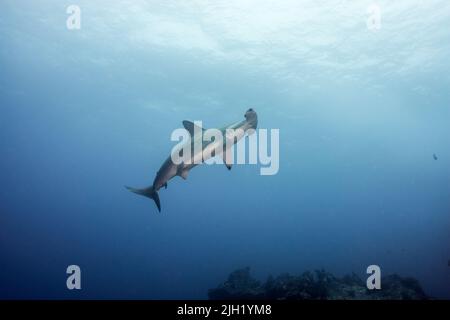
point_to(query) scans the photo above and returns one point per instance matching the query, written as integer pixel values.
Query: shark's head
(252, 118)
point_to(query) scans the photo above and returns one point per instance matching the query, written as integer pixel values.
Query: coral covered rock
(314, 285)
(240, 285)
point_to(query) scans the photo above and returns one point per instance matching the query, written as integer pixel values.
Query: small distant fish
(435, 156)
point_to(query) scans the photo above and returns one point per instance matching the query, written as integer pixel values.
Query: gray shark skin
(169, 169)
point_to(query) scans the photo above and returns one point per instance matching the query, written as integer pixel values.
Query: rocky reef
(314, 285)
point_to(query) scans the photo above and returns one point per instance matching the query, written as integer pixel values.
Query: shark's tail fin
(149, 192)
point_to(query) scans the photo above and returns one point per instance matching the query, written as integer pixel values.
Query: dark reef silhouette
(314, 285)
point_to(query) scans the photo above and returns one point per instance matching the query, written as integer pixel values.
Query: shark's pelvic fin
(191, 127)
(149, 192)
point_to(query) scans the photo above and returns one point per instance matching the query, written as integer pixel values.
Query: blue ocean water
(84, 112)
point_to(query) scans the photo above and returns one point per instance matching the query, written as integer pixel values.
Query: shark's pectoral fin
(183, 173)
(227, 162)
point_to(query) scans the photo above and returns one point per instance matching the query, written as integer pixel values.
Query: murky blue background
(85, 112)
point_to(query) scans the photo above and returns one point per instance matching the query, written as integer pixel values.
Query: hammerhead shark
(169, 169)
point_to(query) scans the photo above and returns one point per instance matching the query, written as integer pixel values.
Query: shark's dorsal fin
(191, 127)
